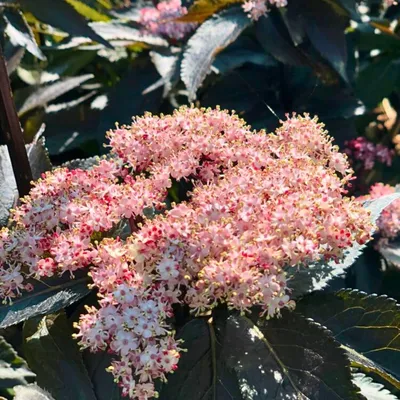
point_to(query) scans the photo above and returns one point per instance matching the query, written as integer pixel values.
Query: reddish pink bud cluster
(259, 203)
(160, 20)
(257, 8)
(368, 153)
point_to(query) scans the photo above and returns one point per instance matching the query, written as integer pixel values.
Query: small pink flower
(257, 8)
(360, 149)
(161, 19)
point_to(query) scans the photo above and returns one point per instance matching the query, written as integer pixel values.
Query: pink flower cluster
(259, 203)
(360, 149)
(257, 8)
(389, 220)
(160, 20)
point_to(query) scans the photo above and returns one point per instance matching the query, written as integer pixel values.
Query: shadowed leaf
(54, 356)
(378, 79)
(287, 358)
(276, 41)
(103, 382)
(368, 327)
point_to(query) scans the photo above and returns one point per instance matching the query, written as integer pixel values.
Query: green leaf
(47, 298)
(377, 79)
(88, 12)
(212, 37)
(13, 369)
(367, 326)
(317, 276)
(54, 356)
(20, 33)
(62, 15)
(232, 358)
(47, 93)
(31, 392)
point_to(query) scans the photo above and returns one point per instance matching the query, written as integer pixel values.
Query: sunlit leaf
(370, 389)
(47, 93)
(212, 37)
(31, 392)
(47, 298)
(20, 33)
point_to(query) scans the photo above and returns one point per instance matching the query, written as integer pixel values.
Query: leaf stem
(12, 133)
(213, 340)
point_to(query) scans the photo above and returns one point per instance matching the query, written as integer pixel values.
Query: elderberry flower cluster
(259, 203)
(257, 8)
(360, 149)
(160, 20)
